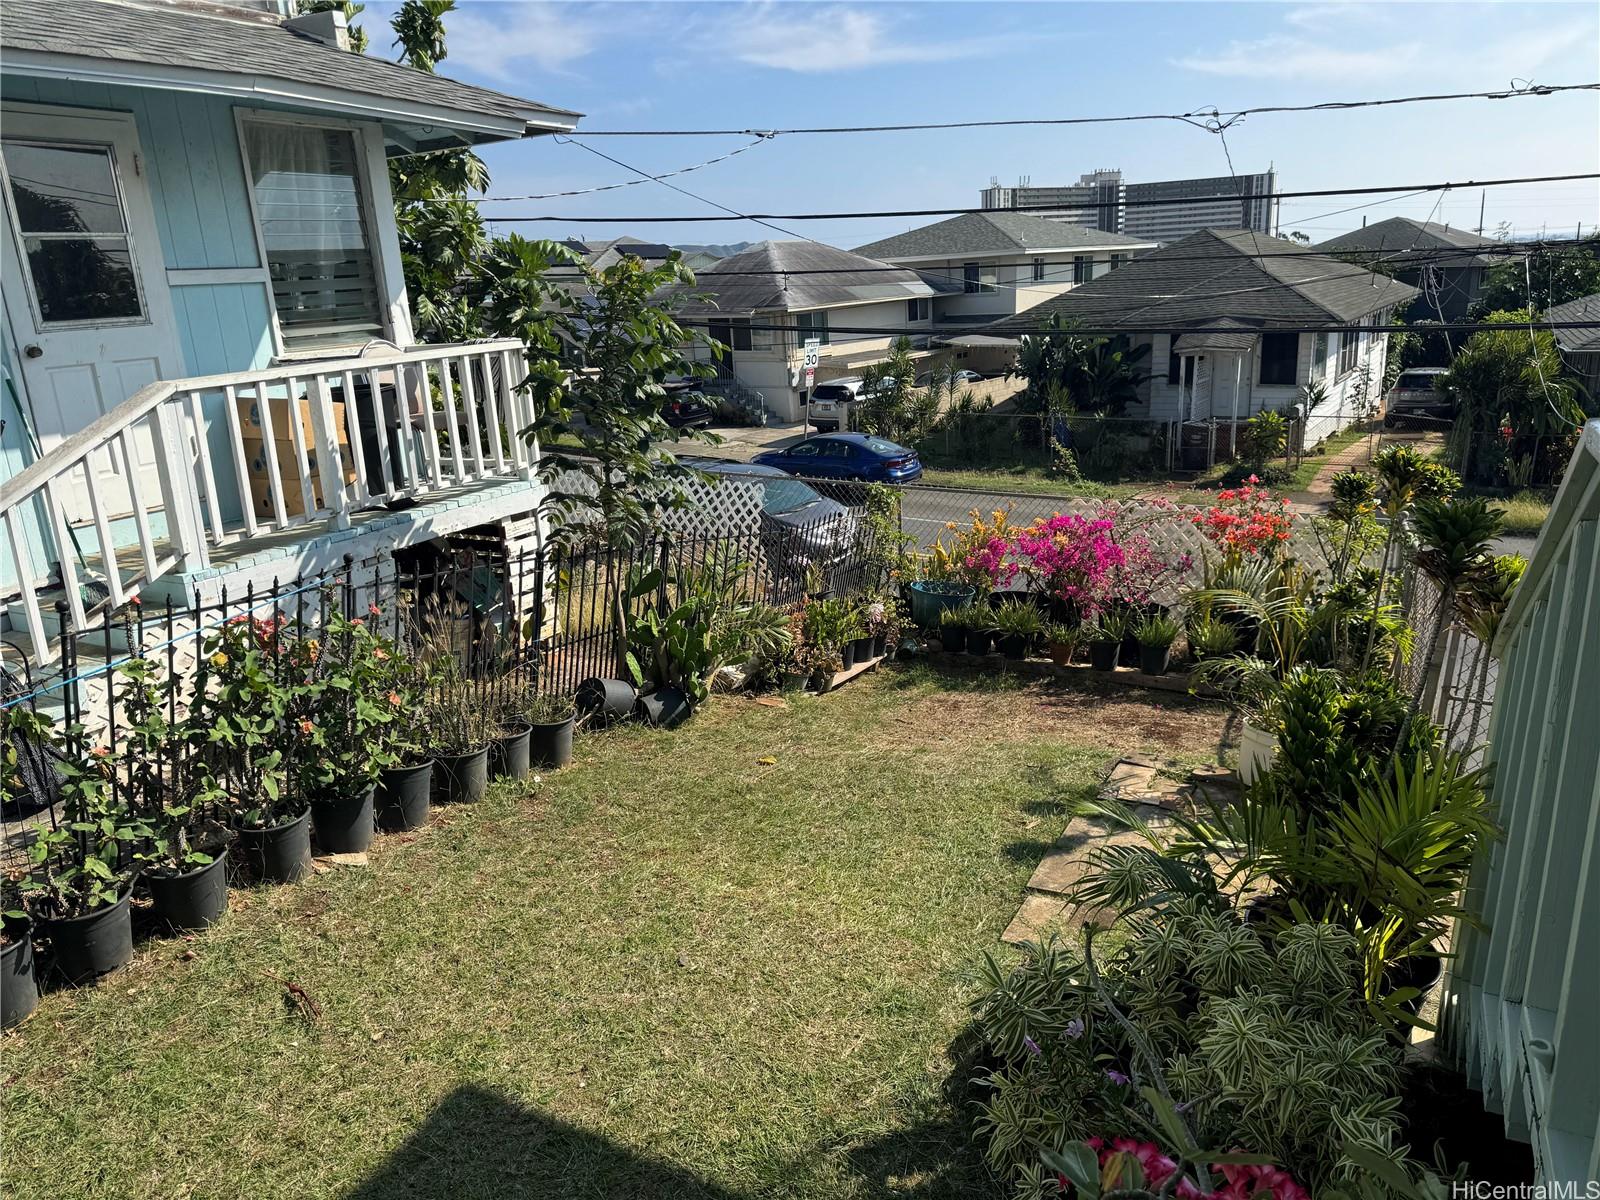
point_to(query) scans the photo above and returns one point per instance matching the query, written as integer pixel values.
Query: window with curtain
(310, 206)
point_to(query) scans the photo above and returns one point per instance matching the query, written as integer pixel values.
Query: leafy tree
(1510, 379)
(1095, 374)
(892, 406)
(600, 394)
(1557, 273)
(442, 234)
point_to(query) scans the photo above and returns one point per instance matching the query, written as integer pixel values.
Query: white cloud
(1284, 57)
(814, 38)
(1338, 42)
(503, 40)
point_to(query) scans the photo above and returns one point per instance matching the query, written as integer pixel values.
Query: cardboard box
(256, 466)
(251, 427)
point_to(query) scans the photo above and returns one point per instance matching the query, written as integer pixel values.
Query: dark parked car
(800, 527)
(1415, 395)
(687, 410)
(847, 456)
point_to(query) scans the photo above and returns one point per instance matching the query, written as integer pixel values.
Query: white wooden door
(86, 286)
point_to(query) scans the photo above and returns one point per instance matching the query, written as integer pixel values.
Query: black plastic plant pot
(607, 700)
(863, 647)
(344, 826)
(403, 795)
(508, 753)
(980, 641)
(1014, 645)
(95, 944)
(550, 744)
(278, 853)
(847, 656)
(19, 987)
(1103, 655)
(1154, 660)
(193, 899)
(461, 778)
(666, 708)
(880, 645)
(953, 638)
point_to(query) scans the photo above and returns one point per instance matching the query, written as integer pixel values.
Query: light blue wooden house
(209, 370)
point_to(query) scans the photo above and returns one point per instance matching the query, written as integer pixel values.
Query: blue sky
(761, 64)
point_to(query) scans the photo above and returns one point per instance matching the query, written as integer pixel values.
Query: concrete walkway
(1047, 906)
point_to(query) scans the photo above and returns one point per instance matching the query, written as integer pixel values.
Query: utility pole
(1482, 197)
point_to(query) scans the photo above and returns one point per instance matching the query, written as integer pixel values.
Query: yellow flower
(219, 660)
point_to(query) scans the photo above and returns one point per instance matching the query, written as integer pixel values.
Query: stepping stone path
(1046, 907)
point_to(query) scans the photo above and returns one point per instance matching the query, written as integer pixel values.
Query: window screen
(309, 203)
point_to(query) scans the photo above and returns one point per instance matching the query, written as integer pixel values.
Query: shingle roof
(993, 233)
(1577, 341)
(1399, 235)
(1212, 277)
(773, 285)
(195, 38)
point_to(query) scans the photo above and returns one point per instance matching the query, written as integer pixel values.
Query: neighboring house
(199, 229)
(989, 265)
(1580, 348)
(1252, 294)
(821, 292)
(1445, 265)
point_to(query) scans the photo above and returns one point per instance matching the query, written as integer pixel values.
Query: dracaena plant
(1197, 1030)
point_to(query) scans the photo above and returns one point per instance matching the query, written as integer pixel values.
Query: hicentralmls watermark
(1551, 1189)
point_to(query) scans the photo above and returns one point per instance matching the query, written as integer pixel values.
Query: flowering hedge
(1246, 522)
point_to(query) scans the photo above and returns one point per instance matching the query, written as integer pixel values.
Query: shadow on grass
(478, 1144)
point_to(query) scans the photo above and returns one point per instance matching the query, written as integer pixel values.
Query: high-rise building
(1101, 200)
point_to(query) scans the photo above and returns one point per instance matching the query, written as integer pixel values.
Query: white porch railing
(223, 458)
(1518, 1011)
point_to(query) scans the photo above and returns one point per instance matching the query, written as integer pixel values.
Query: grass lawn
(1524, 513)
(729, 961)
(1031, 481)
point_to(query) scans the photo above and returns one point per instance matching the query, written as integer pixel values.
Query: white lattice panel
(724, 508)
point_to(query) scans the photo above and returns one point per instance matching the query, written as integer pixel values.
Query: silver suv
(1415, 397)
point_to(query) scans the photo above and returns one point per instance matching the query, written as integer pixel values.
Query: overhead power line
(697, 321)
(1154, 202)
(1399, 256)
(1190, 117)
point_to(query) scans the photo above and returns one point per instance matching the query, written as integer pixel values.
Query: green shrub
(1263, 1041)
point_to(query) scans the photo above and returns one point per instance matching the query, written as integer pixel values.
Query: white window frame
(387, 272)
(127, 235)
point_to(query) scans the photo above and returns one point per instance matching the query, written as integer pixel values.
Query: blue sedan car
(846, 456)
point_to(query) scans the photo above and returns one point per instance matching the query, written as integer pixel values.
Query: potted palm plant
(551, 720)
(1210, 637)
(1105, 636)
(953, 629)
(1156, 633)
(1061, 642)
(1018, 624)
(981, 631)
